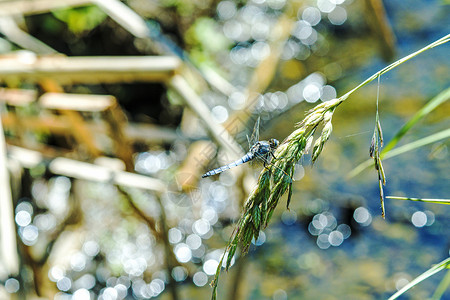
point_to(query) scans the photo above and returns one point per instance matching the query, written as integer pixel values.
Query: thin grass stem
(438, 201)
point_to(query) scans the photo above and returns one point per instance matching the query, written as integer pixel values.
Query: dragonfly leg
(265, 159)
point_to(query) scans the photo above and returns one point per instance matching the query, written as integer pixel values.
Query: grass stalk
(433, 270)
(438, 201)
(442, 287)
(273, 182)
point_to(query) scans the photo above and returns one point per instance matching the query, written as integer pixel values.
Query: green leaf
(230, 255)
(80, 19)
(256, 216)
(289, 195)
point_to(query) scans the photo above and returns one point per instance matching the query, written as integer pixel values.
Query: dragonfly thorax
(262, 148)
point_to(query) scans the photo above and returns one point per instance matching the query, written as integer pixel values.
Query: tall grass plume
(275, 180)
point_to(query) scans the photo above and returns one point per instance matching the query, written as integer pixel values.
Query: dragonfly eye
(274, 143)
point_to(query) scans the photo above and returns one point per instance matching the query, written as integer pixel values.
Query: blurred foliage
(206, 40)
(81, 19)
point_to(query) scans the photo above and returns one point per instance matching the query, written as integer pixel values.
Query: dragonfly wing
(255, 134)
(267, 161)
(265, 158)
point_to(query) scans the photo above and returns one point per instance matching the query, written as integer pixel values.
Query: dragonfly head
(273, 143)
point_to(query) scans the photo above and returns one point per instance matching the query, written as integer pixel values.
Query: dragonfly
(258, 149)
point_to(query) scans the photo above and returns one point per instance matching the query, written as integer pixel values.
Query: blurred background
(112, 110)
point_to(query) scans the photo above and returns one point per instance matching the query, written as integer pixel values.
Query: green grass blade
(425, 110)
(438, 201)
(433, 270)
(403, 149)
(417, 144)
(442, 287)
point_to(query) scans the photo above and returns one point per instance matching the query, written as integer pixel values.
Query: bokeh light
(179, 273)
(194, 241)
(210, 266)
(64, 284)
(311, 15)
(91, 248)
(23, 218)
(226, 9)
(81, 294)
(220, 113)
(29, 234)
(236, 100)
(182, 252)
(419, 219)
(338, 16)
(261, 239)
(323, 241)
(430, 218)
(200, 279)
(280, 295)
(12, 285)
(362, 216)
(326, 6)
(175, 235)
(201, 227)
(86, 282)
(289, 217)
(335, 238)
(345, 230)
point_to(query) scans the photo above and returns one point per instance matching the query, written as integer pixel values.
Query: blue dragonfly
(258, 149)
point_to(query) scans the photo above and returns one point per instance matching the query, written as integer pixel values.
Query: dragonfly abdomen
(247, 157)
